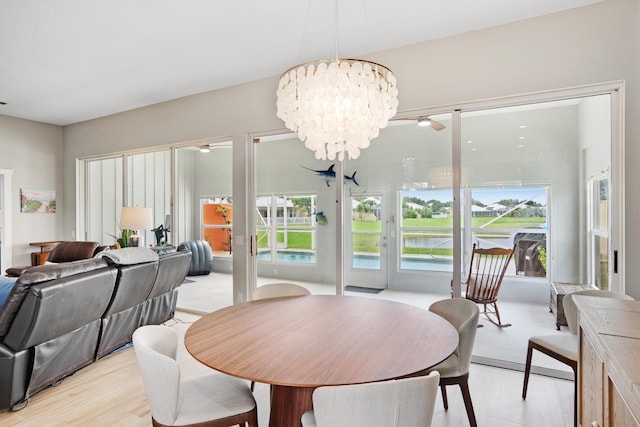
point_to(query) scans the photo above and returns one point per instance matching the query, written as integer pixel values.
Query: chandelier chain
(337, 105)
(335, 11)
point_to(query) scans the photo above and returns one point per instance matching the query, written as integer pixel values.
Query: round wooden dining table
(297, 344)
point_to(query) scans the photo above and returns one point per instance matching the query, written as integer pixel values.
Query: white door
(366, 240)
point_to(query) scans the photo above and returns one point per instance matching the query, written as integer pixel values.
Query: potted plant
(223, 210)
(123, 240)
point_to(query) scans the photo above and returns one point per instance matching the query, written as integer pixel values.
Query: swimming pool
(366, 262)
(288, 256)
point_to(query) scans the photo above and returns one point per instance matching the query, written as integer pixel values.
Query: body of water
(366, 262)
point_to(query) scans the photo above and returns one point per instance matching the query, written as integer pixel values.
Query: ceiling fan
(425, 121)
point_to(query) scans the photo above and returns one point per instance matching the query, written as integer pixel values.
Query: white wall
(34, 151)
(588, 45)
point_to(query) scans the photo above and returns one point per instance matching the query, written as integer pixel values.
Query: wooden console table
(608, 370)
(557, 291)
(39, 258)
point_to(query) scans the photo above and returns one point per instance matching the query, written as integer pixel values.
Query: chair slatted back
(486, 271)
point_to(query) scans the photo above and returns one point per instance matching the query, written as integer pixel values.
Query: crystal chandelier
(337, 105)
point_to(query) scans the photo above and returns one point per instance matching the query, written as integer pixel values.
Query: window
(366, 231)
(599, 231)
(286, 229)
(495, 217)
(103, 199)
(511, 216)
(217, 220)
(426, 230)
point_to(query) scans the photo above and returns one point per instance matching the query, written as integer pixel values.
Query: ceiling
(66, 61)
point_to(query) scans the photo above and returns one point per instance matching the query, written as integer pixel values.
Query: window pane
(217, 224)
(104, 199)
(366, 227)
(149, 185)
(517, 216)
(426, 250)
(599, 256)
(365, 215)
(427, 228)
(288, 221)
(603, 205)
(602, 263)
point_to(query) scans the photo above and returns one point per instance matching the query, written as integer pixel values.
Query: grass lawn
(301, 239)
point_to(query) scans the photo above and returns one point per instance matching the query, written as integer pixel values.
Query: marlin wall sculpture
(330, 174)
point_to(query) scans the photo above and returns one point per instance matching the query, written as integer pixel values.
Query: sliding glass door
(177, 183)
(523, 171)
(523, 180)
(203, 203)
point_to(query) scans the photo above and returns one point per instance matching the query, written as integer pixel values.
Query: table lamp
(136, 219)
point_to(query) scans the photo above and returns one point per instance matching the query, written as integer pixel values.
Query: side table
(557, 292)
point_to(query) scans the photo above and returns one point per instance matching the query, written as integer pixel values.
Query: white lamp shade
(136, 218)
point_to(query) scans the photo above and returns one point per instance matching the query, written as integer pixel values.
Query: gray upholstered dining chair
(275, 290)
(463, 314)
(563, 346)
(407, 402)
(212, 400)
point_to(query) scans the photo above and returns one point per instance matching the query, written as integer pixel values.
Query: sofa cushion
(56, 307)
(172, 270)
(39, 274)
(129, 256)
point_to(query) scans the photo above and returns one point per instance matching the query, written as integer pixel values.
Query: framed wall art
(37, 201)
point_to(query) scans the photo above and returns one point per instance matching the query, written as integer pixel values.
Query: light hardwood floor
(110, 393)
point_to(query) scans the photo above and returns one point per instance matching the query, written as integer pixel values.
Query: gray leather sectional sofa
(59, 318)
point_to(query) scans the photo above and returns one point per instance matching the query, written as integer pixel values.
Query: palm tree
(365, 207)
